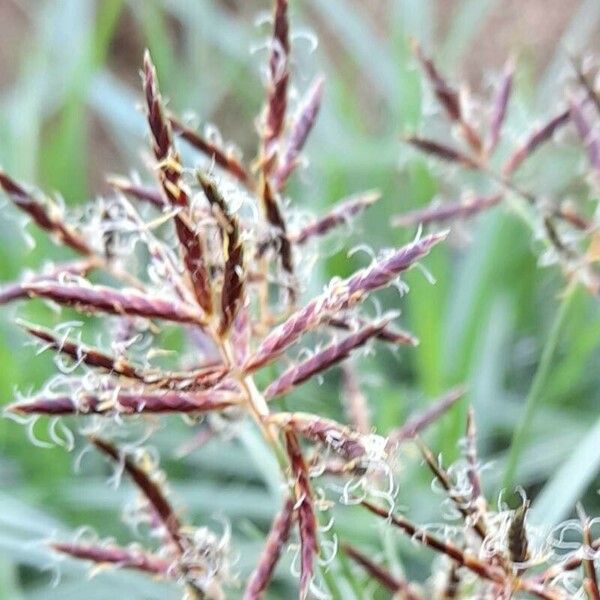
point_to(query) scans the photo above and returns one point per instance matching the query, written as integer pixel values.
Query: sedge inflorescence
(220, 261)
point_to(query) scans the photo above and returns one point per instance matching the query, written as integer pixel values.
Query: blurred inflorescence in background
(509, 162)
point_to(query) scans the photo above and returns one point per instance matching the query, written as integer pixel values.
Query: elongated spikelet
(304, 507)
(344, 294)
(46, 216)
(274, 545)
(103, 299)
(125, 558)
(323, 360)
(125, 403)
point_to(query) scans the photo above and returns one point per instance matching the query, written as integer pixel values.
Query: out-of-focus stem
(537, 387)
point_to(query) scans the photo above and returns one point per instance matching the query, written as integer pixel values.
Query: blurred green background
(69, 89)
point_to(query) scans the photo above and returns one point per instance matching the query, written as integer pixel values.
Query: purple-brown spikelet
(18, 291)
(233, 288)
(272, 211)
(341, 213)
(470, 452)
(518, 545)
(300, 129)
(279, 75)
(448, 97)
(430, 415)
(390, 335)
(305, 510)
(534, 140)
(441, 151)
(323, 360)
(81, 352)
(117, 556)
(587, 132)
(194, 253)
(274, 545)
(224, 160)
(153, 493)
(499, 106)
(380, 574)
(340, 296)
(140, 192)
(102, 299)
(123, 402)
(46, 217)
(447, 211)
(341, 439)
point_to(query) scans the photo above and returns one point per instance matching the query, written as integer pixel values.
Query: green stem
(535, 392)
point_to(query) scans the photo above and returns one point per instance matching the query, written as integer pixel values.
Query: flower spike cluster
(228, 281)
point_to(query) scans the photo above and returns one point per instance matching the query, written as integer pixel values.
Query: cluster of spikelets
(220, 262)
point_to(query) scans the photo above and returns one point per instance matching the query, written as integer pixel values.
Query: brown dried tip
(341, 214)
(226, 161)
(340, 296)
(500, 104)
(442, 212)
(139, 192)
(101, 299)
(441, 151)
(125, 558)
(430, 415)
(46, 216)
(381, 574)
(323, 360)
(233, 291)
(150, 489)
(518, 546)
(534, 140)
(127, 403)
(344, 441)
(274, 545)
(304, 506)
(300, 129)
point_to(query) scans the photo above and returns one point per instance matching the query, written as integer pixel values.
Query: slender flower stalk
(380, 574)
